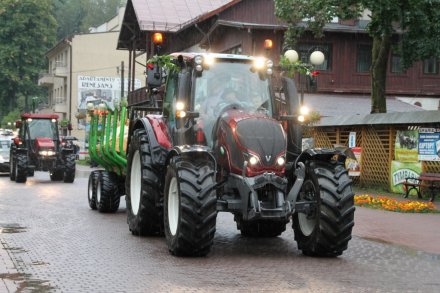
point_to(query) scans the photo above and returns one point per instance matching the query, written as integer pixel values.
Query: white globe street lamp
(317, 58)
(291, 55)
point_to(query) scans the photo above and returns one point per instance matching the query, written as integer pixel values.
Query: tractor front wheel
(11, 167)
(190, 207)
(324, 228)
(21, 168)
(144, 215)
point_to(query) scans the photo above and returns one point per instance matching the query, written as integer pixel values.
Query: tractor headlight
(301, 118)
(304, 110)
(253, 160)
(259, 63)
(209, 60)
(47, 153)
(281, 161)
(198, 60)
(180, 110)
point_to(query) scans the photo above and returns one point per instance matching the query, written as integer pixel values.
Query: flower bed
(389, 204)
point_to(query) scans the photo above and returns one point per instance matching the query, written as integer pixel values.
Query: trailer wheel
(11, 167)
(325, 228)
(21, 168)
(190, 207)
(107, 195)
(69, 168)
(144, 215)
(260, 228)
(91, 189)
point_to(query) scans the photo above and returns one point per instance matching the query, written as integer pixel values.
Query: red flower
(314, 73)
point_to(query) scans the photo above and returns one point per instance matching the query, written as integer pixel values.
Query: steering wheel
(223, 107)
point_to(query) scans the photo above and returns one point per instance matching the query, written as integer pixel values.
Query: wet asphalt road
(50, 241)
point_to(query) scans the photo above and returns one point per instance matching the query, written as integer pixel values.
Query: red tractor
(218, 141)
(218, 145)
(38, 148)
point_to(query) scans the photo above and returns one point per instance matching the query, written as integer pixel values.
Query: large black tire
(107, 193)
(326, 230)
(91, 189)
(56, 175)
(11, 166)
(69, 168)
(21, 164)
(142, 185)
(190, 207)
(260, 228)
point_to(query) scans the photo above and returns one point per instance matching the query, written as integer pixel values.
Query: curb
(7, 271)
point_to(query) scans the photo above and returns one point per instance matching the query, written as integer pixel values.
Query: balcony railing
(60, 69)
(46, 79)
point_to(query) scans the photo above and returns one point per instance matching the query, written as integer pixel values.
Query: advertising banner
(402, 170)
(405, 148)
(99, 89)
(354, 166)
(429, 144)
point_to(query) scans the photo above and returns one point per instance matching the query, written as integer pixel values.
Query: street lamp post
(316, 59)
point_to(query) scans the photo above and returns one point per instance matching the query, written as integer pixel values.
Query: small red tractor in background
(38, 148)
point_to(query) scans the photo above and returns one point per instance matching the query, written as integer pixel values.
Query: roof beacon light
(268, 44)
(157, 39)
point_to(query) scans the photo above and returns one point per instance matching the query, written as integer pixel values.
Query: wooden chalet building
(241, 26)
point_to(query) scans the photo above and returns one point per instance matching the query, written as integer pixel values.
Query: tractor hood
(245, 135)
(44, 143)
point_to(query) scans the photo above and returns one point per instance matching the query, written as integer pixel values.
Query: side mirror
(154, 75)
(18, 124)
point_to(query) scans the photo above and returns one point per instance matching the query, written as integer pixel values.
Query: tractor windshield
(228, 84)
(42, 128)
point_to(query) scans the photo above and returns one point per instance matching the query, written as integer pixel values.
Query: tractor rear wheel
(21, 168)
(107, 194)
(325, 228)
(69, 168)
(261, 228)
(190, 207)
(91, 189)
(142, 185)
(11, 167)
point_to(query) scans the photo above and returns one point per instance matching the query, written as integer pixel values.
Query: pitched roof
(173, 15)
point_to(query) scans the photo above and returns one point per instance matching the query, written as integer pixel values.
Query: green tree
(77, 16)
(410, 27)
(27, 30)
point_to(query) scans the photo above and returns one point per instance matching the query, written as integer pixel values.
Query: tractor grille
(262, 136)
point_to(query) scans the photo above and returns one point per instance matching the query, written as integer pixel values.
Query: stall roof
(414, 118)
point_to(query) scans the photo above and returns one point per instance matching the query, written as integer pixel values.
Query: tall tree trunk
(380, 53)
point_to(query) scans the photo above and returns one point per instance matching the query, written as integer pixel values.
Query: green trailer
(107, 145)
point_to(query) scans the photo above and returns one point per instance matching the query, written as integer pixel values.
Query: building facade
(241, 26)
(86, 68)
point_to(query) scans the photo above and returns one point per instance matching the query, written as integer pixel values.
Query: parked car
(5, 146)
